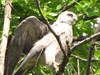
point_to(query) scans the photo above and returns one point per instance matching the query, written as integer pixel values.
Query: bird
(46, 51)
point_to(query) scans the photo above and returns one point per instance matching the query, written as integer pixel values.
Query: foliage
(51, 8)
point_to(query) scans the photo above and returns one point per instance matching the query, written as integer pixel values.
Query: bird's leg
(56, 66)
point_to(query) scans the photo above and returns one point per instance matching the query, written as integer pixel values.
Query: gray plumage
(26, 34)
(52, 53)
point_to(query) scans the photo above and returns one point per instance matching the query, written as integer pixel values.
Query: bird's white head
(67, 17)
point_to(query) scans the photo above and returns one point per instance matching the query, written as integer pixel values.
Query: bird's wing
(26, 34)
(30, 61)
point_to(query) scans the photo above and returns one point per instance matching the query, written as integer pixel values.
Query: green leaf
(86, 6)
(79, 6)
(97, 72)
(53, 14)
(58, 7)
(2, 2)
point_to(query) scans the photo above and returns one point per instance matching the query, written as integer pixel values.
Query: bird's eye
(70, 15)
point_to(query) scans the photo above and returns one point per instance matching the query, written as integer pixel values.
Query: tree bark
(3, 44)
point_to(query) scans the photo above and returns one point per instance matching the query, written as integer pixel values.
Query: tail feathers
(28, 63)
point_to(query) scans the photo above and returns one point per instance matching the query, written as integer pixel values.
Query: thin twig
(78, 57)
(83, 59)
(89, 59)
(79, 38)
(78, 67)
(68, 46)
(89, 18)
(15, 10)
(66, 7)
(83, 42)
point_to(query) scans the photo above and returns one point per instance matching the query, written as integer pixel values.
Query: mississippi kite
(48, 46)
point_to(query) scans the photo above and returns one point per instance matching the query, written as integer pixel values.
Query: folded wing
(25, 35)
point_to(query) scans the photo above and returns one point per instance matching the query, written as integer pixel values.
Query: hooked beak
(75, 19)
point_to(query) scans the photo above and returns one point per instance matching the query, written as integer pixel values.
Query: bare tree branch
(89, 59)
(4, 39)
(69, 6)
(83, 42)
(91, 50)
(80, 58)
(15, 10)
(83, 59)
(89, 18)
(79, 38)
(78, 66)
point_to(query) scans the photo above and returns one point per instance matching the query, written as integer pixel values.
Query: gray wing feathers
(35, 31)
(28, 62)
(26, 34)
